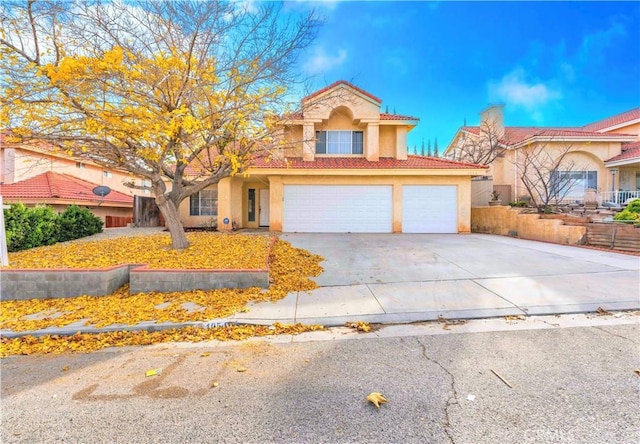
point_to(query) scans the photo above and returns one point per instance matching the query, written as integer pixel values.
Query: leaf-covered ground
(206, 250)
(86, 342)
(290, 269)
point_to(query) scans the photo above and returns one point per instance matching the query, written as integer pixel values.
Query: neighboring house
(345, 168)
(603, 156)
(46, 175)
(61, 190)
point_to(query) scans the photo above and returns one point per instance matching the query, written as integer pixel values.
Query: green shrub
(76, 222)
(16, 223)
(627, 215)
(43, 229)
(30, 227)
(634, 206)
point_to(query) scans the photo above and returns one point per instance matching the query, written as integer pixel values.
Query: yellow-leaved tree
(182, 93)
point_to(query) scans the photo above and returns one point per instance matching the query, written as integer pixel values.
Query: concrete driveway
(417, 277)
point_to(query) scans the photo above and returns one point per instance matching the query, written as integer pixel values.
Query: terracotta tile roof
(387, 116)
(514, 135)
(360, 163)
(629, 151)
(52, 185)
(618, 119)
(341, 82)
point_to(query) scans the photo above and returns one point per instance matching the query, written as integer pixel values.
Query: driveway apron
(419, 277)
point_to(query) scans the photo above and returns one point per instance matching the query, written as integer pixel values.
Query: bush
(17, 226)
(43, 227)
(76, 222)
(634, 206)
(630, 213)
(30, 227)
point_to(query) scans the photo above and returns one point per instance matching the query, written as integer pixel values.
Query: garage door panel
(337, 208)
(429, 209)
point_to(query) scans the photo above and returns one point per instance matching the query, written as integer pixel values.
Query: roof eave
(479, 171)
(622, 162)
(535, 139)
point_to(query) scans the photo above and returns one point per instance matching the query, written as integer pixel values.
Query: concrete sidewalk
(402, 278)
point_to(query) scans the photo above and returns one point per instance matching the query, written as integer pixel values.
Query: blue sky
(550, 63)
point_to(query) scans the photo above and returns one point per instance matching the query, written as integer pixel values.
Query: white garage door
(337, 209)
(429, 209)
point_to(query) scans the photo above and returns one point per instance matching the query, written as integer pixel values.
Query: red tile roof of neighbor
(514, 135)
(52, 185)
(341, 82)
(629, 151)
(618, 119)
(360, 163)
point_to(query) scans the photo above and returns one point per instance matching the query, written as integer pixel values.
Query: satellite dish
(101, 190)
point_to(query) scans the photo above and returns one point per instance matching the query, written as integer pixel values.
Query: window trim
(196, 203)
(356, 142)
(559, 188)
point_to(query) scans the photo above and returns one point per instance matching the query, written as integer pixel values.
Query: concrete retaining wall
(144, 280)
(22, 284)
(508, 221)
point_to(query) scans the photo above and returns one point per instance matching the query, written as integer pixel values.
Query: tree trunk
(170, 213)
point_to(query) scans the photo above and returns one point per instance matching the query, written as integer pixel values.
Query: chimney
(492, 120)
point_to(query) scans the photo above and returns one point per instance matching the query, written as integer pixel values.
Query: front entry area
(337, 209)
(264, 207)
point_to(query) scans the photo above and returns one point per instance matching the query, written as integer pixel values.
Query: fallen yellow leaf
(376, 399)
(360, 326)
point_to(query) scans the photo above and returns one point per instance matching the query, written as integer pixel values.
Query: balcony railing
(620, 197)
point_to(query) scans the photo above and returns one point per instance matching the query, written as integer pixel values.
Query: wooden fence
(117, 221)
(615, 236)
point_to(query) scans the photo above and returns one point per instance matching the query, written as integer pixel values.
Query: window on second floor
(339, 142)
(204, 203)
(106, 173)
(80, 165)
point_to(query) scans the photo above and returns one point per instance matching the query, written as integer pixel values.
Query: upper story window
(339, 142)
(106, 173)
(80, 165)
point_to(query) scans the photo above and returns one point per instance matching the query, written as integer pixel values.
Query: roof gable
(619, 120)
(343, 84)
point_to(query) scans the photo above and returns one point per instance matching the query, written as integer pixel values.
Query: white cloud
(514, 89)
(595, 44)
(322, 62)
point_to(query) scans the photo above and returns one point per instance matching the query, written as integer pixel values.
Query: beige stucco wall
(321, 106)
(505, 220)
(584, 156)
(629, 129)
(387, 140)
(19, 164)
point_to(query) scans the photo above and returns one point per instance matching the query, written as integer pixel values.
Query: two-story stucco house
(345, 169)
(603, 156)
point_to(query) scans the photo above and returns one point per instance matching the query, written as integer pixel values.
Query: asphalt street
(443, 383)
